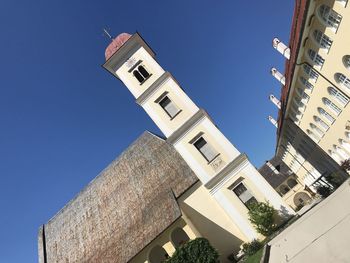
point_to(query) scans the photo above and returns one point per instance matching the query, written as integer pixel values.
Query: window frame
(196, 140)
(246, 190)
(162, 98)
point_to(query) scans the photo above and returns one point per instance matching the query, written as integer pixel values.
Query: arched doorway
(300, 199)
(178, 237)
(157, 255)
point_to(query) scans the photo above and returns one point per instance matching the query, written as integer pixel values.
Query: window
(141, 74)
(323, 40)
(346, 61)
(205, 149)
(169, 107)
(307, 84)
(317, 130)
(326, 115)
(291, 183)
(310, 72)
(316, 58)
(339, 96)
(324, 125)
(329, 16)
(273, 168)
(343, 2)
(331, 106)
(313, 136)
(283, 189)
(303, 95)
(340, 78)
(244, 195)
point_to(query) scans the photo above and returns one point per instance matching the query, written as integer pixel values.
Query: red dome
(116, 44)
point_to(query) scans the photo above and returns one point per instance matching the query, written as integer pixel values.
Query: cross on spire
(107, 34)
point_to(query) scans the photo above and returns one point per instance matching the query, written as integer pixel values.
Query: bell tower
(225, 173)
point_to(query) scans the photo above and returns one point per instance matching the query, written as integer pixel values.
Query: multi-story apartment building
(313, 131)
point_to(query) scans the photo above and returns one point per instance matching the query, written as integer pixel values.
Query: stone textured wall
(131, 202)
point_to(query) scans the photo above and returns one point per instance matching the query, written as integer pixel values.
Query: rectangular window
(170, 108)
(205, 149)
(244, 195)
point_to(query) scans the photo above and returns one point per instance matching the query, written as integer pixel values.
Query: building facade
(161, 192)
(227, 179)
(313, 125)
(286, 183)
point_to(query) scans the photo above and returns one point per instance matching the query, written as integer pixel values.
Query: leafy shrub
(198, 250)
(262, 217)
(252, 247)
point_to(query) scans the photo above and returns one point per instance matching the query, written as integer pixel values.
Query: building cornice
(221, 176)
(297, 30)
(125, 52)
(155, 85)
(188, 125)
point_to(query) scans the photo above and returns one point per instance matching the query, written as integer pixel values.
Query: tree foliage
(324, 191)
(198, 250)
(262, 217)
(252, 247)
(345, 165)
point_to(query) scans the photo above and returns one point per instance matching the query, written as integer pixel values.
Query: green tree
(345, 165)
(262, 217)
(252, 247)
(198, 250)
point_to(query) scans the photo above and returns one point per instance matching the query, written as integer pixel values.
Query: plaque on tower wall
(217, 163)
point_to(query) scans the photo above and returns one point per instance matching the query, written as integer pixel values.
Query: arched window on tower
(143, 71)
(138, 76)
(329, 17)
(342, 80)
(323, 40)
(339, 96)
(141, 74)
(330, 105)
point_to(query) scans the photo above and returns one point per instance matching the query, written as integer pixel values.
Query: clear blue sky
(63, 118)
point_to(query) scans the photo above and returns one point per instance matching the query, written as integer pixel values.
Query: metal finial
(106, 33)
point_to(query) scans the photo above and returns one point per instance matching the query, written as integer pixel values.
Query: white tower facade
(225, 174)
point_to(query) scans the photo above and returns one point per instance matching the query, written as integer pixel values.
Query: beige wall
(164, 241)
(333, 64)
(179, 98)
(151, 66)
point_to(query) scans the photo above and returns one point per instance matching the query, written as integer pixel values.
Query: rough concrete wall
(124, 208)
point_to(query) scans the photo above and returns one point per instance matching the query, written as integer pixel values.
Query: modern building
(313, 131)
